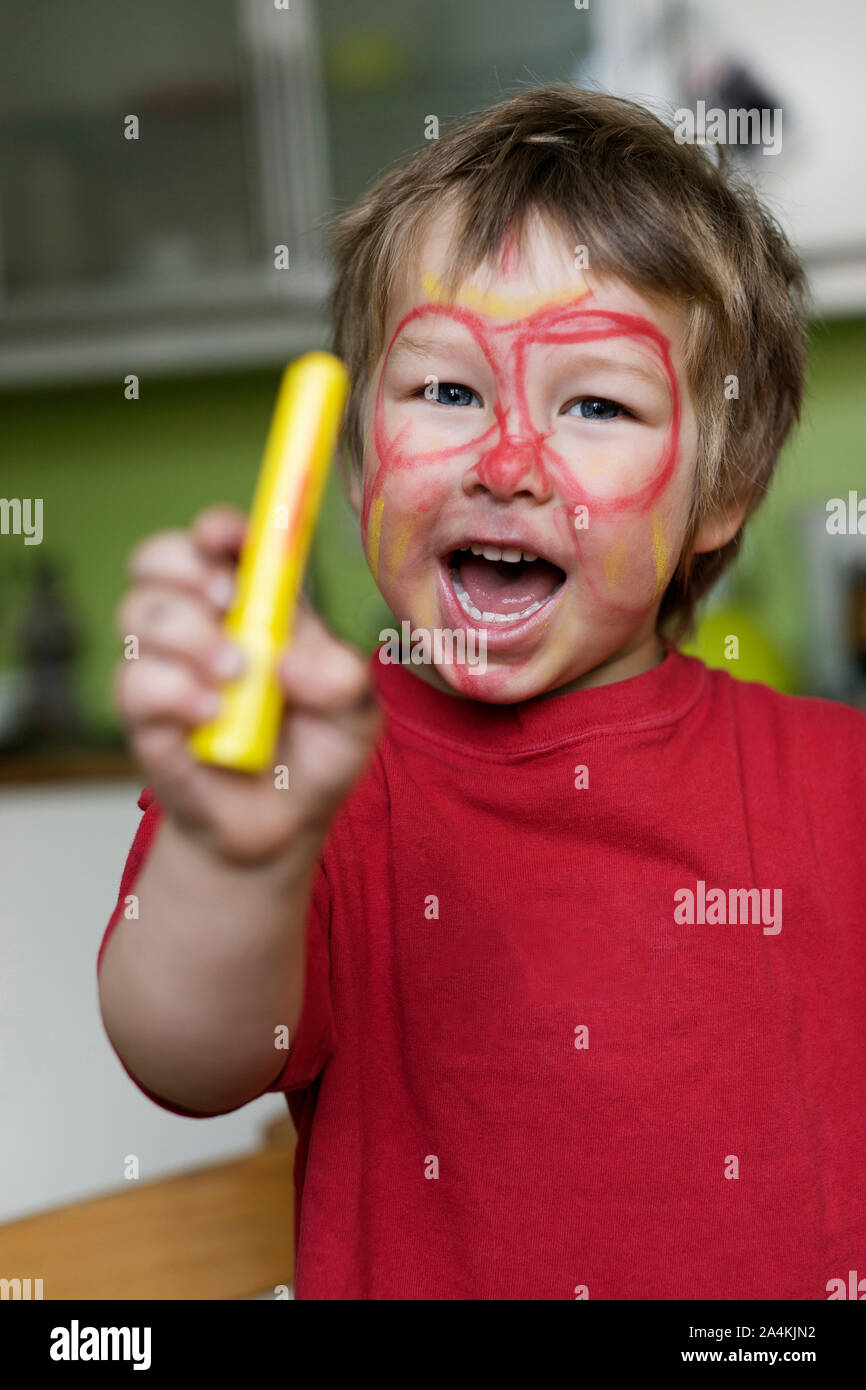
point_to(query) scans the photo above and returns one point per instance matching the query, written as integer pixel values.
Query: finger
(172, 557)
(319, 673)
(219, 532)
(307, 624)
(154, 688)
(166, 760)
(172, 623)
(162, 750)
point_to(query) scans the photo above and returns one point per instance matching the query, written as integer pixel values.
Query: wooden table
(222, 1232)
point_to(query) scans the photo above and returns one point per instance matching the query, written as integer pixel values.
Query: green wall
(111, 470)
(769, 586)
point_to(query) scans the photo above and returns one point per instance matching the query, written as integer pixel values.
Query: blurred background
(152, 157)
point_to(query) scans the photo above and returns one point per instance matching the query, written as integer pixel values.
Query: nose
(513, 467)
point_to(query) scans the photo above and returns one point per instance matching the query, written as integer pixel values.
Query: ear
(715, 531)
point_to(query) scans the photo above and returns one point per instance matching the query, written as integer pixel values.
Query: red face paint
(508, 259)
(505, 454)
(512, 446)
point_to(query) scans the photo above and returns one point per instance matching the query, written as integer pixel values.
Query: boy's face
(538, 413)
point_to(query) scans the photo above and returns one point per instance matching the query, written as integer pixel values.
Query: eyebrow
(423, 347)
(645, 371)
(418, 347)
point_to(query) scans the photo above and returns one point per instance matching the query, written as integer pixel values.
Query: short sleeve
(316, 1033)
(139, 850)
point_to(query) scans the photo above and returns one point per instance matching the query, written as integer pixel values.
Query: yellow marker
(288, 495)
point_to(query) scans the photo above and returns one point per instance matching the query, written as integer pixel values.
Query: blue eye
(452, 393)
(597, 408)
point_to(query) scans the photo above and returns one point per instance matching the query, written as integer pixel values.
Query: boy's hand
(182, 584)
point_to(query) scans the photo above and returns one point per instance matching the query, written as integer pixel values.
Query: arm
(192, 991)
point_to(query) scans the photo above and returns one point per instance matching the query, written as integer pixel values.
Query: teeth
(493, 552)
(465, 601)
(471, 611)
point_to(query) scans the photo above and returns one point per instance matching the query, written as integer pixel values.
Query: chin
(499, 684)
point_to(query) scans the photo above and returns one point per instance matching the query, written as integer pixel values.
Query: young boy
(569, 942)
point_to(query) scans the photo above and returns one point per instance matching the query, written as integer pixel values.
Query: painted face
(529, 462)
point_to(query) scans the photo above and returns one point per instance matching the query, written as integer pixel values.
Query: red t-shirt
(521, 1071)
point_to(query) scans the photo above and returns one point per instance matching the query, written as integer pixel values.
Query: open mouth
(495, 584)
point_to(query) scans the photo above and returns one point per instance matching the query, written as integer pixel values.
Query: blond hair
(669, 219)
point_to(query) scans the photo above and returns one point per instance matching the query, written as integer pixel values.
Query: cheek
(626, 563)
(408, 438)
(394, 546)
(609, 473)
(393, 520)
(632, 560)
(406, 462)
(624, 515)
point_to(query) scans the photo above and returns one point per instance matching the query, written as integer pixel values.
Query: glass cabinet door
(167, 167)
(158, 147)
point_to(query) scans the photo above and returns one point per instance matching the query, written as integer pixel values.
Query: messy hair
(672, 220)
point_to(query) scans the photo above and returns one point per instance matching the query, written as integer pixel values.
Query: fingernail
(229, 661)
(221, 589)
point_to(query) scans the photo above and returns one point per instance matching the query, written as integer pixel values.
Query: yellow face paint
(497, 306)
(397, 551)
(423, 609)
(660, 554)
(615, 564)
(374, 532)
